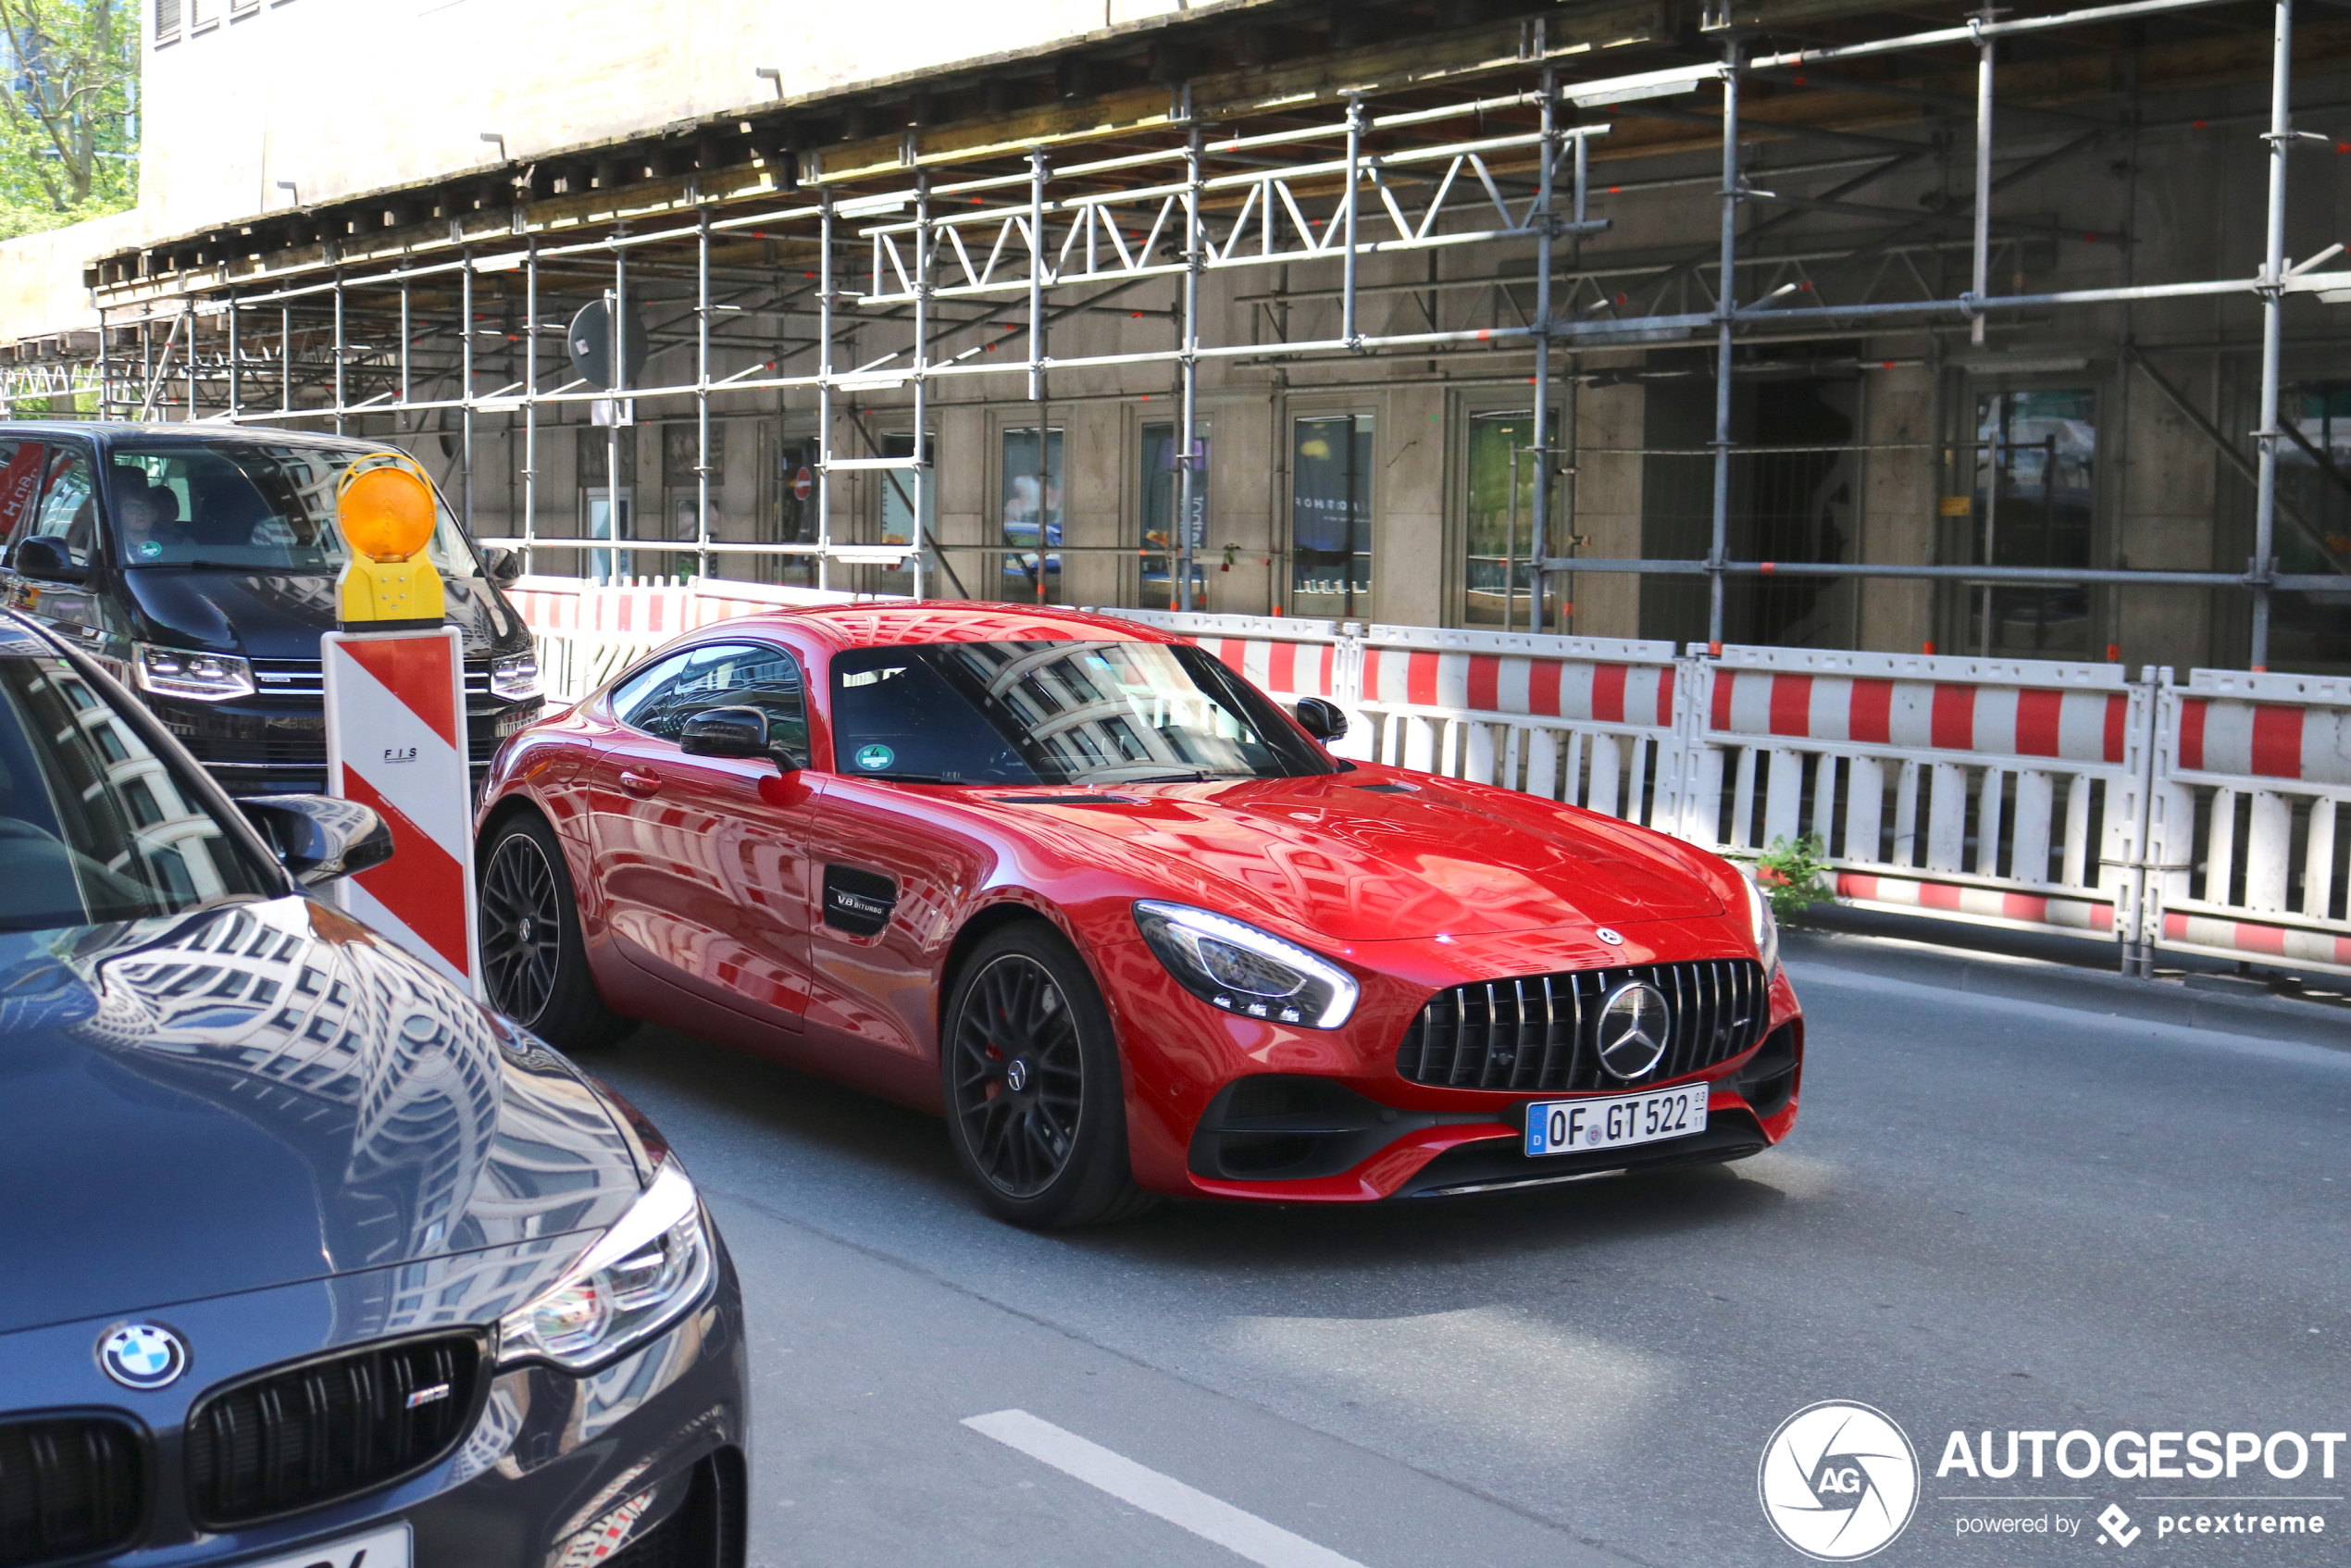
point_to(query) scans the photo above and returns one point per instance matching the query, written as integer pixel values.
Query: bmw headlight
(178, 672)
(516, 676)
(1767, 926)
(641, 1276)
(1244, 970)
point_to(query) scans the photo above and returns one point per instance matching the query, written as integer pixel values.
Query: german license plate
(1574, 1126)
(387, 1547)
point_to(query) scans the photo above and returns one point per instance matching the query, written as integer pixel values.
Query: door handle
(639, 784)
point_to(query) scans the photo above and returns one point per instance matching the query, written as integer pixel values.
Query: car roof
(105, 432)
(903, 625)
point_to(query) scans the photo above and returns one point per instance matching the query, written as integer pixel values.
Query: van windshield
(251, 506)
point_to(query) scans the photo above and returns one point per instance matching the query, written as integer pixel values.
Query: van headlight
(640, 1277)
(179, 672)
(516, 676)
(1244, 970)
(1766, 926)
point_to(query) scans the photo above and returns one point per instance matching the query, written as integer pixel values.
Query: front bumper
(275, 745)
(556, 1469)
(1225, 1106)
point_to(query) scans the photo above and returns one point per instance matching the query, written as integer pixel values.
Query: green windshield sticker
(873, 759)
(149, 550)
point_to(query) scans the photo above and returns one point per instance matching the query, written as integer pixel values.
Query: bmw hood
(264, 1093)
(1364, 856)
(280, 616)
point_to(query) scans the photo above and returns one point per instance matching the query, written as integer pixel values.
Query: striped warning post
(396, 742)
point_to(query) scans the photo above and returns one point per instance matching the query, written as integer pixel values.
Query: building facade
(1405, 311)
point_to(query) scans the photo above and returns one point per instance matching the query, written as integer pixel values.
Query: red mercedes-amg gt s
(1125, 922)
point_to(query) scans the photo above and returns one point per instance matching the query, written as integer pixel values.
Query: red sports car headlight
(1244, 970)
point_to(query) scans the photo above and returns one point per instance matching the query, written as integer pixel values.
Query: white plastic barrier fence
(2252, 772)
(2025, 793)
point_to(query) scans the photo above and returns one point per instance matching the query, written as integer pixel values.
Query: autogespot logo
(1839, 1480)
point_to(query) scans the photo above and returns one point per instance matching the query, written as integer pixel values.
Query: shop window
(1031, 501)
(1498, 575)
(1162, 491)
(1331, 516)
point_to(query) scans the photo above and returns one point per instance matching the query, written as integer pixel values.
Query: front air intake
(69, 1486)
(1542, 1032)
(325, 1429)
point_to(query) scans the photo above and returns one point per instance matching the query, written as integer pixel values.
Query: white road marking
(1207, 1517)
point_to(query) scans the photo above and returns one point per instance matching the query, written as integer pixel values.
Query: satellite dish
(590, 339)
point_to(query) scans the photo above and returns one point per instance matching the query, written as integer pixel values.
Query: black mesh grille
(326, 1429)
(1542, 1032)
(69, 1486)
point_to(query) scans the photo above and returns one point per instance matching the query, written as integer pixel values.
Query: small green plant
(1794, 876)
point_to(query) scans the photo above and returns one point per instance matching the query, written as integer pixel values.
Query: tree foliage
(68, 102)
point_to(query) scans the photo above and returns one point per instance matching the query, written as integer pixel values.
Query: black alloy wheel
(534, 959)
(1034, 1100)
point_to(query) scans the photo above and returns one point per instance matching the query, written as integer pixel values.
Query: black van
(198, 564)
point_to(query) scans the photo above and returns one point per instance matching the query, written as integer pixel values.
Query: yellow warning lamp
(386, 517)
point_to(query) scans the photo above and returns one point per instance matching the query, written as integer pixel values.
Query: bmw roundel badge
(143, 1355)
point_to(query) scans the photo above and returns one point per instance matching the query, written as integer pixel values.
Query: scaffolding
(940, 260)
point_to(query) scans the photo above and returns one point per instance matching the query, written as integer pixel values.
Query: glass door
(2035, 458)
(1498, 578)
(1330, 520)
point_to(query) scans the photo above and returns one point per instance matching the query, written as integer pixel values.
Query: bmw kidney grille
(1543, 1032)
(69, 1486)
(324, 1429)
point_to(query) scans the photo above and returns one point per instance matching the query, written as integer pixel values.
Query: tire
(1036, 1102)
(534, 959)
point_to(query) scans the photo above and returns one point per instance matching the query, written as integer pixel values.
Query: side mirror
(46, 560)
(318, 838)
(1321, 718)
(504, 566)
(733, 732)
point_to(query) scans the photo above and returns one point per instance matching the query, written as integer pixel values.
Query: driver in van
(146, 516)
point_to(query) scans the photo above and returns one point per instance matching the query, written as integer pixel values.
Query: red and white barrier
(395, 707)
(2021, 792)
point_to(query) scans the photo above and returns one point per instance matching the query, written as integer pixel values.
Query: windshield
(94, 824)
(1056, 712)
(248, 504)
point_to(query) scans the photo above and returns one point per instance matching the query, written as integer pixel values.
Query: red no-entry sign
(803, 485)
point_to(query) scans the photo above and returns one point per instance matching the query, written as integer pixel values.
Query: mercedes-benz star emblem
(1611, 935)
(143, 1355)
(1634, 1022)
(1016, 1074)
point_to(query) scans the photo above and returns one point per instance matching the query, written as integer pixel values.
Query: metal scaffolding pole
(465, 391)
(285, 359)
(1187, 458)
(530, 388)
(191, 359)
(403, 340)
(1348, 328)
(105, 371)
(1726, 309)
(1980, 274)
(2274, 274)
(1037, 282)
(921, 376)
(339, 356)
(824, 392)
(1539, 513)
(233, 362)
(616, 376)
(702, 397)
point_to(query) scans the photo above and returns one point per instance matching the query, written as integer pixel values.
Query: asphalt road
(1995, 1213)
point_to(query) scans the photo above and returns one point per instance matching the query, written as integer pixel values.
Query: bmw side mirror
(318, 837)
(46, 560)
(1321, 718)
(504, 566)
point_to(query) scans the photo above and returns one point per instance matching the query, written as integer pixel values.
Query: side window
(68, 511)
(725, 674)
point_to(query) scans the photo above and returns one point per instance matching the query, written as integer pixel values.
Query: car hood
(1364, 857)
(280, 616)
(264, 1093)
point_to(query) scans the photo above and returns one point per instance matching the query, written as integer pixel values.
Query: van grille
(69, 1486)
(328, 1428)
(1542, 1032)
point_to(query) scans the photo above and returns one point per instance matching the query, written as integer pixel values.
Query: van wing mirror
(318, 837)
(503, 565)
(46, 560)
